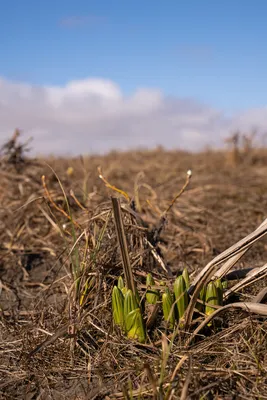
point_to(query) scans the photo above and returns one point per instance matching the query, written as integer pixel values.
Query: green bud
(130, 303)
(225, 285)
(118, 306)
(186, 278)
(120, 283)
(152, 296)
(181, 295)
(135, 326)
(211, 298)
(202, 297)
(168, 308)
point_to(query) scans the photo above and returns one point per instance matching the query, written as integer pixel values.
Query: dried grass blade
(123, 244)
(261, 296)
(206, 274)
(239, 273)
(230, 263)
(256, 308)
(152, 380)
(235, 249)
(139, 176)
(187, 381)
(255, 274)
(158, 258)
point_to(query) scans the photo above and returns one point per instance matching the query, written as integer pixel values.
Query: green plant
(129, 315)
(181, 295)
(168, 308)
(212, 298)
(152, 296)
(186, 278)
(118, 306)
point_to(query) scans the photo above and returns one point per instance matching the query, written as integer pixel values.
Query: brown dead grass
(81, 356)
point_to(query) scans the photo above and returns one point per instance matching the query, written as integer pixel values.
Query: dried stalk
(256, 308)
(233, 260)
(123, 244)
(248, 279)
(206, 274)
(261, 296)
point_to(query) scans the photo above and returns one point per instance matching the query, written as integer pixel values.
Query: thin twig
(260, 309)
(55, 205)
(187, 381)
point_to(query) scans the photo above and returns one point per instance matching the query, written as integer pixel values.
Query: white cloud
(94, 115)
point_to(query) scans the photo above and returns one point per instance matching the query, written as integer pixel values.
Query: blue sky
(207, 57)
(211, 50)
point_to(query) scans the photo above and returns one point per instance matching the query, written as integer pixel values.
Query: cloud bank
(93, 115)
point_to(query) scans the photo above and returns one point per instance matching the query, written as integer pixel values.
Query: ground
(56, 344)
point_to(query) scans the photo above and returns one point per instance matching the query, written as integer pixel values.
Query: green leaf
(118, 306)
(152, 296)
(130, 303)
(168, 308)
(211, 298)
(202, 297)
(181, 295)
(120, 283)
(186, 278)
(135, 326)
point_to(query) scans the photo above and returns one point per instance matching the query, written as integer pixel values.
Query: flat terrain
(45, 244)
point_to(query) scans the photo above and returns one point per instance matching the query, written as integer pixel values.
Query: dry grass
(57, 340)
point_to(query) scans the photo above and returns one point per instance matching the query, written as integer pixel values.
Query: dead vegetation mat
(50, 348)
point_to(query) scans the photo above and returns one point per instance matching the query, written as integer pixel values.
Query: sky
(92, 76)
